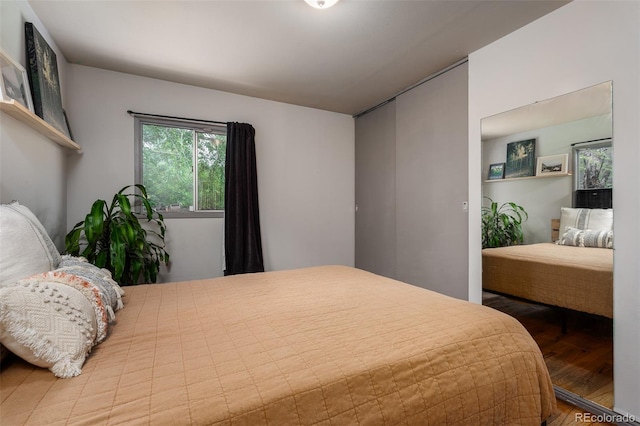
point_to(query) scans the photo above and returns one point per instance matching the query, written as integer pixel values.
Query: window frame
(197, 126)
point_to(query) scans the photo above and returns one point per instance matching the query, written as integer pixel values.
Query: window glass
(211, 157)
(182, 166)
(595, 167)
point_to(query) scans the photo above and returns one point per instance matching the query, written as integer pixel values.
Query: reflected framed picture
(14, 83)
(43, 78)
(496, 171)
(552, 165)
(521, 159)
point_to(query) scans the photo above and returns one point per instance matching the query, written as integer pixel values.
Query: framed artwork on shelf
(553, 165)
(44, 80)
(521, 159)
(496, 171)
(14, 83)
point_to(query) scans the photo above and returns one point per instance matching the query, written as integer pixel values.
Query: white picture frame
(14, 83)
(552, 165)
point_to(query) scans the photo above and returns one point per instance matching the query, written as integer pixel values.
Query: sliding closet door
(375, 191)
(431, 184)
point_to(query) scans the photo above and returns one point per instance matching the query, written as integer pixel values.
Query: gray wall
(418, 142)
(375, 191)
(305, 165)
(431, 184)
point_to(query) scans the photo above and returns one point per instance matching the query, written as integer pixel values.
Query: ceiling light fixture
(321, 4)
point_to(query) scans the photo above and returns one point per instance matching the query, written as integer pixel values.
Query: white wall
(579, 45)
(541, 198)
(305, 161)
(32, 168)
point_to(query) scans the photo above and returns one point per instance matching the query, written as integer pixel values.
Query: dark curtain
(243, 244)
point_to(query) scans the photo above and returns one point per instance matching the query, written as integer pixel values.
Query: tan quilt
(579, 278)
(317, 346)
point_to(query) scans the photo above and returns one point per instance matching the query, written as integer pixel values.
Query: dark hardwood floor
(568, 415)
(580, 361)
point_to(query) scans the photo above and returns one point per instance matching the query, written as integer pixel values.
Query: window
(182, 166)
(594, 166)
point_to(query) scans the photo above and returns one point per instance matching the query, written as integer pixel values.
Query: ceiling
(589, 102)
(345, 59)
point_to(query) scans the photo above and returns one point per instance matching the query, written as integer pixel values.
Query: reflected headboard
(555, 230)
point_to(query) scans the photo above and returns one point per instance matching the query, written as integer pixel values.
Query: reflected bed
(569, 277)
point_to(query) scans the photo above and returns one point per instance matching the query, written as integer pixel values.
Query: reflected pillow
(594, 219)
(602, 239)
(587, 238)
(571, 237)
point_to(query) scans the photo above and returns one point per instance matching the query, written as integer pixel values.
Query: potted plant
(502, 225)
(112, 237)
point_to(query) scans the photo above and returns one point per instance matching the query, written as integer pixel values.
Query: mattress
(323, 345)
(578, 278)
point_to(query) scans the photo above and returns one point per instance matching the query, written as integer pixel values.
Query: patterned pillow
(602, 239)
(587, 238)
(110, 291)
(26, 246)
(598, 219)
(571, 237)
(48, 324)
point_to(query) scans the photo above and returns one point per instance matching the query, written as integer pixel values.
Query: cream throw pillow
(25, 246)
(48, 324)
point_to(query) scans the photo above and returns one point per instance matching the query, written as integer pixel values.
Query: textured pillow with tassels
(110, 291)
(53, 320)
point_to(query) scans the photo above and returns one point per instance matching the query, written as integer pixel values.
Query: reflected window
(594, 166)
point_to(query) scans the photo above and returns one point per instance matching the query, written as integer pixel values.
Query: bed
(568, 277)
(575, 273)
(318, 345)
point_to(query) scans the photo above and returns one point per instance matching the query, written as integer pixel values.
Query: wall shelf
(530, 177)
(19, 112)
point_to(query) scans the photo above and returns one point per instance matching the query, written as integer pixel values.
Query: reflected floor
(580, 361)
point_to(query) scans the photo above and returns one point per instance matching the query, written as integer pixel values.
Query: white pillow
(48, 324)
(593, 219)
(25, 246)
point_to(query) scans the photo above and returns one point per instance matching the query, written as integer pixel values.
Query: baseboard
(602, 414)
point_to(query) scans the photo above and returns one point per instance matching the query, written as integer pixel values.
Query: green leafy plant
(112, 237)
(502, 225)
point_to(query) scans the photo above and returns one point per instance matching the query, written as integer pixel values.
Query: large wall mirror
(549, 166)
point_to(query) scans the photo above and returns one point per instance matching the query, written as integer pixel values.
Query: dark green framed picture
(496, 171)
(521, 159)
(43, 79)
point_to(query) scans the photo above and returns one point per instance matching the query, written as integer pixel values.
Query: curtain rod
(591, 141)
(413, 86)
(194, 120)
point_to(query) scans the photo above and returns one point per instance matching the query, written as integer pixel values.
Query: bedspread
(323, 345)
(577, 278)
